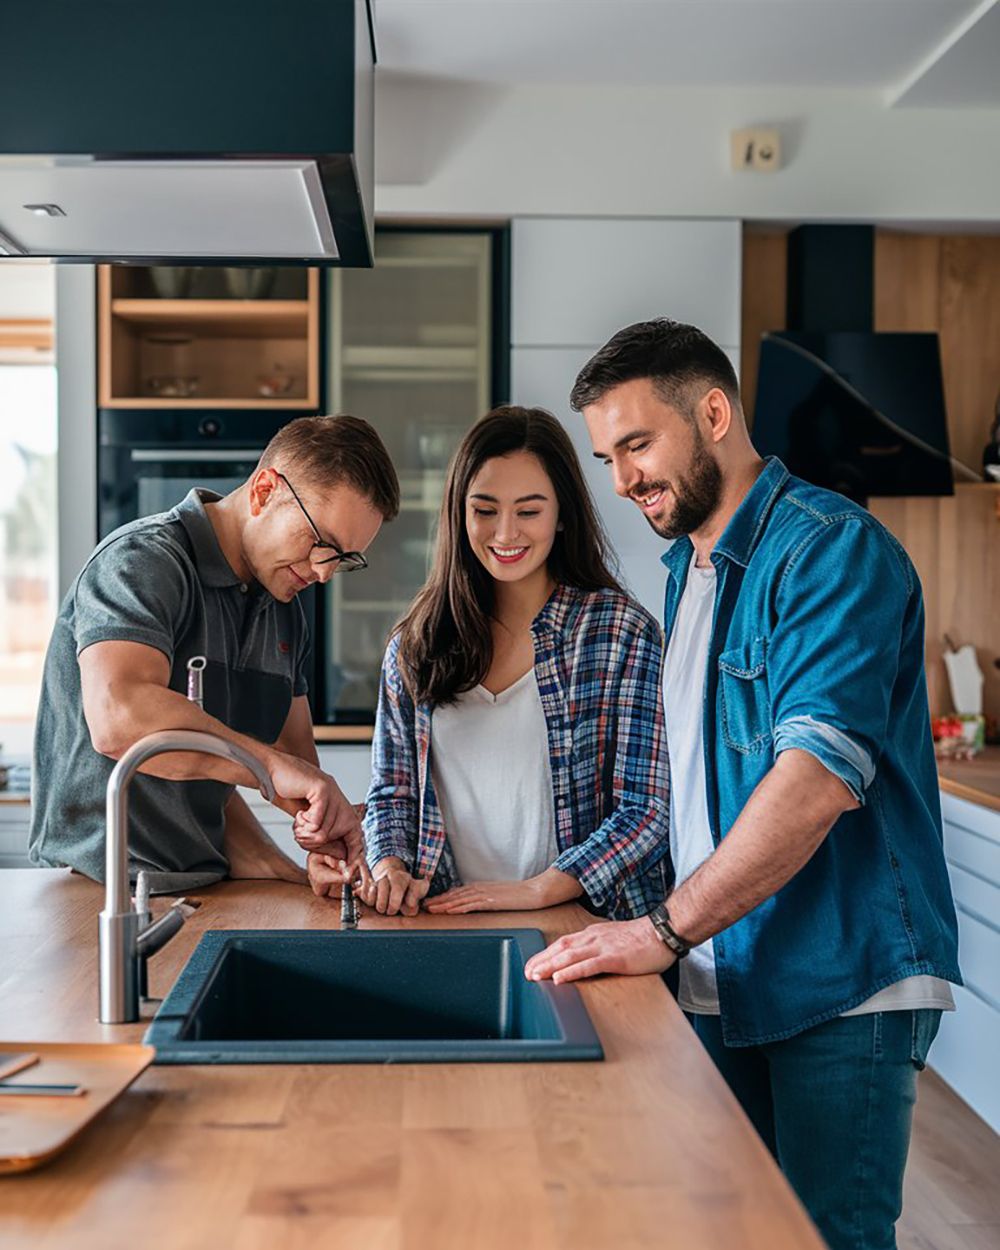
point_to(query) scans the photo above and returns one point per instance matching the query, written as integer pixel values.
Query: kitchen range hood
(188, 132)
(859, 412)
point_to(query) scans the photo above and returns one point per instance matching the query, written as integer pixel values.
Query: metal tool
(348, 906)
(40, 1091)
(195, 668)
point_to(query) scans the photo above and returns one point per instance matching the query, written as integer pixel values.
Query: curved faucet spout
(117, 897)
(119, 923)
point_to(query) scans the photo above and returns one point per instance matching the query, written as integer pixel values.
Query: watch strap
(660, 919)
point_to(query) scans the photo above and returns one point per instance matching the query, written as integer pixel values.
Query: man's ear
(263, 485)
(718, 411)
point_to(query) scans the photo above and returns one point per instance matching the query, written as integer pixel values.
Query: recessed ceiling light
(45, 210)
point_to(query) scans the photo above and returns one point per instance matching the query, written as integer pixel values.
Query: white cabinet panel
(979, 956)
(578, 280)
(973, 853)
(542, 377)
(966, 1050)
(350, 766)
(965, 1054)
(972, 816)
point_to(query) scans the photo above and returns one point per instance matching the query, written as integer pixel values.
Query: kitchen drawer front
(979, 957)
(578, 280)
(965, 1054)
(973, 853)
(971, 816)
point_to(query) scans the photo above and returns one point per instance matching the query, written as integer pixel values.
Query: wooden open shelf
(231, 344)
(219, 318)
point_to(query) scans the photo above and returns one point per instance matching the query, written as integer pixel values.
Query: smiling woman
(517, 757)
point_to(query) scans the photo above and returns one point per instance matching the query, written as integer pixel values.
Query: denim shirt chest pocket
(745, 697)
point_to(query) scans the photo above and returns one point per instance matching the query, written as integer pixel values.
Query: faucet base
(118, 966)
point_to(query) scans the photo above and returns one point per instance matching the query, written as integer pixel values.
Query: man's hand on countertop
(626, 947)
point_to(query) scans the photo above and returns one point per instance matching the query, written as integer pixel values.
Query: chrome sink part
(120, 959)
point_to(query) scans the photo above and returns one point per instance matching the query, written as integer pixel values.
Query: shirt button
(243, 588)
(561, 801)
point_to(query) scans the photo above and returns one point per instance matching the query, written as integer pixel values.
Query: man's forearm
(250, 851)
(146, 708)
(777, 833)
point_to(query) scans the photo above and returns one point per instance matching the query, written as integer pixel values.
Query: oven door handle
(174, 456)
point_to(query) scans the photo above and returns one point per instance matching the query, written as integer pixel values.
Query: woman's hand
(487, 896)
(391, 889)
(546, 890)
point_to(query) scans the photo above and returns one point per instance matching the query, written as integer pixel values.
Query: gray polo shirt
(162, 581)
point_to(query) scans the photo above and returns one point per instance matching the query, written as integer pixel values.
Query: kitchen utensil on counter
(962, 734)
(23, 1090)
(34, 1129)
(17, 1062)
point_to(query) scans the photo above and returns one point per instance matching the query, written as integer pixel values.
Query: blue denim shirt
(817, 644)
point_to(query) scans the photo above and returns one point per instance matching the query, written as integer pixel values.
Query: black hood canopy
(188, 132)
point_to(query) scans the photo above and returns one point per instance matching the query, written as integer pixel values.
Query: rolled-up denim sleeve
(843, 603)
(392, 807)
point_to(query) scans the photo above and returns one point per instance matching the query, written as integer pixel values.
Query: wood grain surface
(646, 1148)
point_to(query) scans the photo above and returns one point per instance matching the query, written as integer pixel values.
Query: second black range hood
(191, 131)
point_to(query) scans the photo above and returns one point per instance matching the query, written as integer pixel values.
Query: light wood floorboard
(951, 1196)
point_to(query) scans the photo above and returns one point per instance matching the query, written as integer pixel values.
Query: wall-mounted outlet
(755, 149)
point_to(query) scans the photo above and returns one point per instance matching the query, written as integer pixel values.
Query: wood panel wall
(954, 542)
(949, 284)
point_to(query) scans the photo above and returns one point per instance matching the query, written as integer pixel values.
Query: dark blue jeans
(834, 1106)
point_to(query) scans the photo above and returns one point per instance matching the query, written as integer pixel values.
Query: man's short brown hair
(326, 451)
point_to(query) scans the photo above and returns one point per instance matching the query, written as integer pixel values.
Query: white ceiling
(875, 44)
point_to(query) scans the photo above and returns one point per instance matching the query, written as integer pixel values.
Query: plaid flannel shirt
(598, 663)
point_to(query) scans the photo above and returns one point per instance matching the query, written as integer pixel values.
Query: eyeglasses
(349, 561)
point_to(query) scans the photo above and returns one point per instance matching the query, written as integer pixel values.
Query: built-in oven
(148, 460)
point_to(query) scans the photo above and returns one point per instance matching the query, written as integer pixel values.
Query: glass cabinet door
(409, 350)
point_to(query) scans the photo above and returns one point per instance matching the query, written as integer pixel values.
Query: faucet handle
(142, 892)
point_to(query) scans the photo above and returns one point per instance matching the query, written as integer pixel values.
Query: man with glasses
(215, 577)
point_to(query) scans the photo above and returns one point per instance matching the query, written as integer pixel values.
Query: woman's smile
(508, 555)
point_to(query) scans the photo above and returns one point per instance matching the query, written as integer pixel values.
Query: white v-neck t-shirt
(690, 832)
(493, 779)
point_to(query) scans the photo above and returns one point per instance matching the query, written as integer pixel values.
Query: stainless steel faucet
(125, 936)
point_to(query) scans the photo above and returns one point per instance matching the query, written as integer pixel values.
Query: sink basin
(369, 996)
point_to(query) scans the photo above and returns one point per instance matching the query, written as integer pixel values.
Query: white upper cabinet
(578, 280)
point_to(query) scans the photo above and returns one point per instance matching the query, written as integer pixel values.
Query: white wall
(446, 148)
(27, 289)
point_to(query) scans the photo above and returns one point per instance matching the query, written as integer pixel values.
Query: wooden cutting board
(34, 1129)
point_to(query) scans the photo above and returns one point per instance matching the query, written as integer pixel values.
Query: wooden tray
(35, 1129)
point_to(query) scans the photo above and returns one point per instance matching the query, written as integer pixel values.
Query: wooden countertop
(977, 780)
(646, 1148)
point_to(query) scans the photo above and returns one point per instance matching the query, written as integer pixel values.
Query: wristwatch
(666, 932)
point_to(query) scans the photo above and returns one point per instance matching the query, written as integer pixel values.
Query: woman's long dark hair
(446, 646)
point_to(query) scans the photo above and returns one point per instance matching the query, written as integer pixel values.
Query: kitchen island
(647, 1148)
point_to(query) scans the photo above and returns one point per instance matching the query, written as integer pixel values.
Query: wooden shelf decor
(227, 348)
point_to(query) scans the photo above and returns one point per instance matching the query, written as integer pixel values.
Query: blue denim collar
(741, 535)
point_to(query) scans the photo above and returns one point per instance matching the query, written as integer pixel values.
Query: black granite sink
(369, 996)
